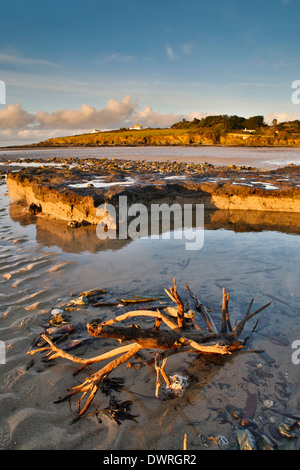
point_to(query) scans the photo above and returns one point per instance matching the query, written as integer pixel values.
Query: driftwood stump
(182, 335)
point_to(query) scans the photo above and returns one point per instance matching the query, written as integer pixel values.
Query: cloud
(14, 59)
(115, 114)
(187, 48)
(112, 115)
(184, 50)
(148, 118)
(14, 117)
(281, 117)
(18, 127)
(12, 137)
(170, 52)
(117, 57)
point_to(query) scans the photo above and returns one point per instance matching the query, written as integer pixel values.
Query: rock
(268, 403)
(34, 209)
(56, 311)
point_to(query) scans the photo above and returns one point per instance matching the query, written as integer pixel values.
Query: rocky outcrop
(66, 194)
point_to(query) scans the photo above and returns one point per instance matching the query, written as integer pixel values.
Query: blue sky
(74, 65)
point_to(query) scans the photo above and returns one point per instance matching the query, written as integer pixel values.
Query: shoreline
(262, 158)
(81, 147)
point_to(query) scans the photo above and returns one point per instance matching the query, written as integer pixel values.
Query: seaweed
(118, 411)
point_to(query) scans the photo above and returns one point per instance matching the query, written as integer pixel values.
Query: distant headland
(221, 130)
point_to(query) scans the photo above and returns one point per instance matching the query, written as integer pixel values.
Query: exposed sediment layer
(73, 192)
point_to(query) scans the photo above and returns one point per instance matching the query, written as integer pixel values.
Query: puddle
(101, 183)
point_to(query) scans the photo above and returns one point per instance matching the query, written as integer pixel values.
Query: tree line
(224, 123)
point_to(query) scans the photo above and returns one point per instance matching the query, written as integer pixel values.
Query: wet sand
(42, 264)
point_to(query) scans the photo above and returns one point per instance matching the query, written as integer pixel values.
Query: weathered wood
(92, 383)
(162, 339)
(202, 309)
(142, 313)
(55, 352)
(173, 294)
(147, 338)
(160, 370)
(225, 314)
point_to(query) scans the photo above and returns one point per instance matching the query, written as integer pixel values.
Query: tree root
(180, 337)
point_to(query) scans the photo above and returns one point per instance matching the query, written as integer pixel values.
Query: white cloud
(170, 52)
(14, 117)
(148, 118)
(184, 50)
(187, 47)
(117, 57)
(11, 137)
(17, 126)
(15, 59)
(281, 117)
(114, 114)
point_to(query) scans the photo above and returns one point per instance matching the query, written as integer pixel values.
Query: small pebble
(222, 441)
(268, 403)
(56, 311)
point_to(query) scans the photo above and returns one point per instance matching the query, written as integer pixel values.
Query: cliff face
(52, 201)
(129, 139)
(168, 137)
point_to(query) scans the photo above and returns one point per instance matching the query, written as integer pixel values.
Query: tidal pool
(252, 255)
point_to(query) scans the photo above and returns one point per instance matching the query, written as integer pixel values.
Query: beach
(149, 229)
(45, 265)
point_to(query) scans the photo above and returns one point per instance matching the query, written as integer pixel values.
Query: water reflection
(84, 239)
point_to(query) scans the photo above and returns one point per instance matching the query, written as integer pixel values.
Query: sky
(72, 66)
